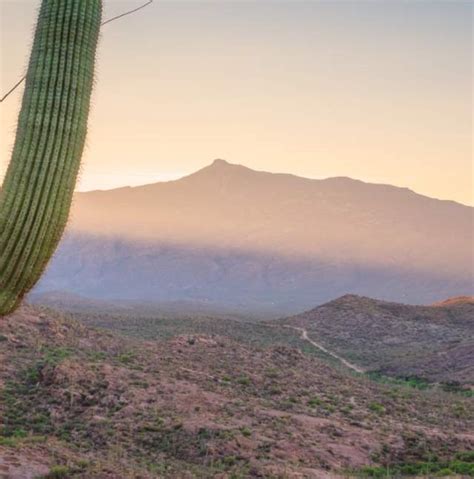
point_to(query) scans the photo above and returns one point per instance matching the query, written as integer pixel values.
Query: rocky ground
(85, 403)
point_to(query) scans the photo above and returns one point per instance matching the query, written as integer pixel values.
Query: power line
(13, 88)
(102, 24)
(127, 13)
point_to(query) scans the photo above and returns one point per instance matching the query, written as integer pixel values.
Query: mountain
(76, 402)
(434, 343)
(236, 238)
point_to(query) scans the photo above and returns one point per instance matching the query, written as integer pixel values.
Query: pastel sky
(375, 90)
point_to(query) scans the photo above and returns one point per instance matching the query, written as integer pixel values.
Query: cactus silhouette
(37, 191)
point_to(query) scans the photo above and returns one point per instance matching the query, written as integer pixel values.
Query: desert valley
(159, 347)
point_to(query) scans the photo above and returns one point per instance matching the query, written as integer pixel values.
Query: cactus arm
(39, 184)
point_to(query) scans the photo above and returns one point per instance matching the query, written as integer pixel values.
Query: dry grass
(99, 405)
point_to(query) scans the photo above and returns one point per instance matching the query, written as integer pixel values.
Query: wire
(127, 13)
(13, 88)
(4, 97)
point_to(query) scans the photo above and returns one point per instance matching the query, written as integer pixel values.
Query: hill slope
(431, 342)
(90, 404)
(244, 239)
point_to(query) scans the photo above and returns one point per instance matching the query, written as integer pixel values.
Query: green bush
(58, 472)
(377, 408)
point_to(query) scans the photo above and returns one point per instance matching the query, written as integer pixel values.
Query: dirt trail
(304, 335)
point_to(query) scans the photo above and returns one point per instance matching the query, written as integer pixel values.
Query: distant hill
(73, 303)
(459, 301)
(435, 343)
(255, 241)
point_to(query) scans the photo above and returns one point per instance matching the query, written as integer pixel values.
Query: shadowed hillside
(253, 241)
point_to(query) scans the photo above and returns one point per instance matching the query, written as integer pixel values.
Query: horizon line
(181, 176)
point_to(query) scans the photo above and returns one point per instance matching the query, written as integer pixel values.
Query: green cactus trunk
(37, 191)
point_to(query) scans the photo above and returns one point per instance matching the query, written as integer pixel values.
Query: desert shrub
(377, 408)
(58, 472)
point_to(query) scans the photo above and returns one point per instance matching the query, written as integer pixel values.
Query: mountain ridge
(219, 164)
(270, 241)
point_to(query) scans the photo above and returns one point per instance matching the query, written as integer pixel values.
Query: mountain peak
(223, 165)
(220, 162)
(220, 168)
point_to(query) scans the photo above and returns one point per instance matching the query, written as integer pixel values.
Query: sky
(375, 90)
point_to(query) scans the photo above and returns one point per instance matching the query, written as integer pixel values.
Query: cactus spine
(37, 191)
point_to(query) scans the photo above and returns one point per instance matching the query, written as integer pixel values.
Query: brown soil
(106, 406)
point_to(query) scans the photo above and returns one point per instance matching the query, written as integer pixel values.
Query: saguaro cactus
(37, 191)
